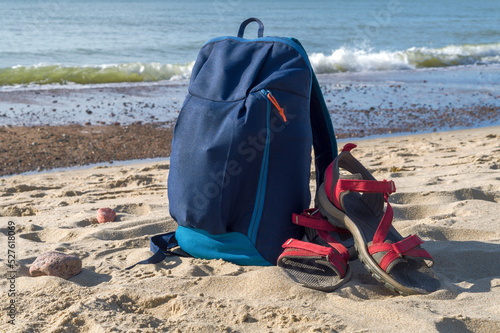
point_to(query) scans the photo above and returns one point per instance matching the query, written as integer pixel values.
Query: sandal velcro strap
(365, 186)
(297, 249)
(405, 248)
(312, 218)
(344, 186)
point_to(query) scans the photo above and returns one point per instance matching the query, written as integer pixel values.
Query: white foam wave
(355, 60)
(157, 71)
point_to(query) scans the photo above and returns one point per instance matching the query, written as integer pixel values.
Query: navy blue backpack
(241, 152)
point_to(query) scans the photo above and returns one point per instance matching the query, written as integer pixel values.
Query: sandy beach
(448, 193)
(90, 92)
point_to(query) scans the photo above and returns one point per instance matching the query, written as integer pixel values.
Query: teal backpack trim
(233, 246)
(261, 189)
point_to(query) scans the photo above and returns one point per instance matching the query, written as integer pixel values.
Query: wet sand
(46, 147)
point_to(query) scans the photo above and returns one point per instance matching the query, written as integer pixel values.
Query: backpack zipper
(273, 100)
(261, 188)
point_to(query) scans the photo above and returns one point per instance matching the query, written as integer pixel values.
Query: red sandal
(358, 206)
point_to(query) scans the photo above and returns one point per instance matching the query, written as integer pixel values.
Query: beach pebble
(56, 264)
(105, 215)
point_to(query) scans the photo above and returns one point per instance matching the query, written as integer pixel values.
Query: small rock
(105, 215)
(56, 264)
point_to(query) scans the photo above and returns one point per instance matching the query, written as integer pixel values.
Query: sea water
(107, 41)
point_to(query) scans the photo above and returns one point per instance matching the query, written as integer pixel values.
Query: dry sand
(448, 193)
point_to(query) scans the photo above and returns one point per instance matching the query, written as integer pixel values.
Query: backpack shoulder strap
(324, 142)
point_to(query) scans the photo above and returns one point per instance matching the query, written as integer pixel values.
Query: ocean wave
(343, 59)
(59, 74)
(356, 60)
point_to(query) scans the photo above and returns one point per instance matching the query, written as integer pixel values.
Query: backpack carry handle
(243, 25)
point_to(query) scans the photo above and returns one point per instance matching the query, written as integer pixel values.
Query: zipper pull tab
(276, 104)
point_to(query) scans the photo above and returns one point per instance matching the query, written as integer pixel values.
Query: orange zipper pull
(275, 102)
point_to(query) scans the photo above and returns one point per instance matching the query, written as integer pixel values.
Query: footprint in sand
(139, 209)
(32, 191)
(86, 222)
(466, 324)
(439, 211)
(422, 211)
(127, 232)
(32, 236)
(29, 188)
(53, 235)
(71, 193)
(16, 211)
(444, 197)
(155, 167)
(475, 194)
(467, 260)
(137, 180)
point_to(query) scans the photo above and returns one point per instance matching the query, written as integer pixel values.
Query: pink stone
(105, 215)
(56, 264)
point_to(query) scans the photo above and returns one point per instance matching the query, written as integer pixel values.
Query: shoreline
(45, 148)
(108, 116)
(354, 99)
